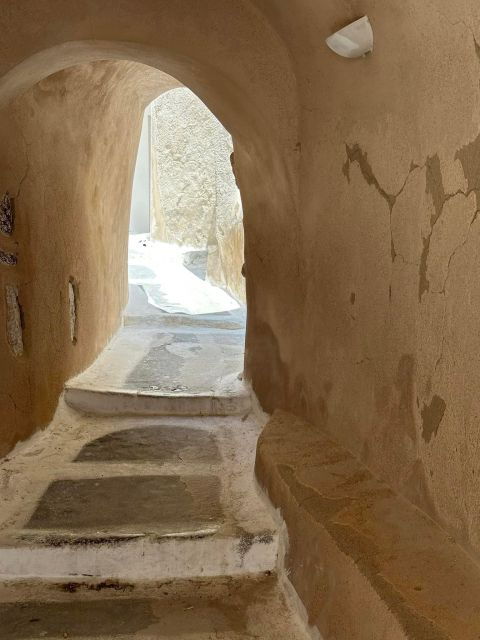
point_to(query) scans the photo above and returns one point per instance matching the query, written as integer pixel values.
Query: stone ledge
(366, 563)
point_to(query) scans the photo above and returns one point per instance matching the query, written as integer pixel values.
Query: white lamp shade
(354, 40)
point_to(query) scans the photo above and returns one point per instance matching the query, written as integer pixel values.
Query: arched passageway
(82, 176)
(360, 187)
(195, 508)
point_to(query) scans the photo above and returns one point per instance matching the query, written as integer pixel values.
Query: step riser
(140, 560)
(112, 404)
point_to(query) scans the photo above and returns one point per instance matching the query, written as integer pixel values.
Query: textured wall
(384, 349)
(68, 148)
(362, 266)
(226, 250)
(196, 201)
(190, 151)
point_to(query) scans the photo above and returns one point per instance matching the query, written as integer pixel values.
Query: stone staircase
(139, 525)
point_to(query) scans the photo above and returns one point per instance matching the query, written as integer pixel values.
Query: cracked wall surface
(361, 216)
(385, 351)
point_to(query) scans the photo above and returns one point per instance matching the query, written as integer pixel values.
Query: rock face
(225, 250)
(195, 201)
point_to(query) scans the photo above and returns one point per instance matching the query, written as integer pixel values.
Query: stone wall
(226, 250)
(195, 201)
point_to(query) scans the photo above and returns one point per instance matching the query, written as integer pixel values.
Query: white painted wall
(140, 208)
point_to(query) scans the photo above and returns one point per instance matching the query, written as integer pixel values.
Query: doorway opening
(183, 332)
(186, 229)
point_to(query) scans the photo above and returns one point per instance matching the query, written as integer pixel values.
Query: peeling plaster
(435, 188)
(432, 416)
(7, 214)
(469, 157)
(8, 259)
(356, 154)
(14, 318)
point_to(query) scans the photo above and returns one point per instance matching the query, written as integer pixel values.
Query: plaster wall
(68, 149)
(73, 189)
(362, 268)
(383, 348)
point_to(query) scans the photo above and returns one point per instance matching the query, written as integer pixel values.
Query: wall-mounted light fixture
(354, 40)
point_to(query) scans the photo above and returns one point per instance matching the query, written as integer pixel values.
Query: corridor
(239, 319)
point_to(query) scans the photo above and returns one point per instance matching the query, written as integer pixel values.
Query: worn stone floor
(145, 523)
(163, 363)
(119, 494)
(136, 513)
(220, 609)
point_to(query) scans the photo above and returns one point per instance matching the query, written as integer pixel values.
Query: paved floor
(98, 476)
(198, 610)
(160, 355)
(150, 525)
(159, 268)
(167, 359)
(139, 311)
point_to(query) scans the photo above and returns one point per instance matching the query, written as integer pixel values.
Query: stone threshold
(110, 402)
(365, 562)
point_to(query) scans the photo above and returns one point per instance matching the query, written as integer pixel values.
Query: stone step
(135, 498)
(383, 568)
(137, 557)
(226, 609)
(106, 401)
(165, 371)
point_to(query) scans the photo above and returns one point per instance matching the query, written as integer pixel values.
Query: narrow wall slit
(73, 308)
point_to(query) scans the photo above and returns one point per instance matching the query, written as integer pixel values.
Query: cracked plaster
(402, 235)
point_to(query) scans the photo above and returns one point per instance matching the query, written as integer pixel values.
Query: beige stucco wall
(382, 346)
(81, 184)
(362, 268)
(68, 148)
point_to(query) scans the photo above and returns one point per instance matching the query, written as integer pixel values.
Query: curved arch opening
(227, 101)
(69, 161)
(186, 231)
(75, 136)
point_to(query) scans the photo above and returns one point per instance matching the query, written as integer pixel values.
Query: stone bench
(366, 563)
